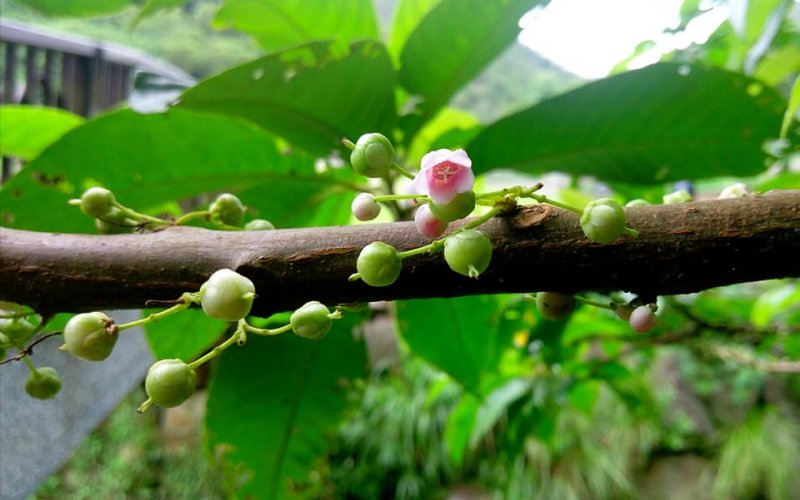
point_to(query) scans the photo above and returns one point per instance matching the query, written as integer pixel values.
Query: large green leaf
(407, 16)
(27, 130)
(312, 95)
(183, 336)
(76, 7)
(662, 123)
(277, 24)
(457, 335)
(453, 43)
(273, 402)
(150, 159)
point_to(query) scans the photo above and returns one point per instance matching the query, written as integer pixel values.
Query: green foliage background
(484, 391)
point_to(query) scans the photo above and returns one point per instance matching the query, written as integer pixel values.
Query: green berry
(227, 295)
(468, 252)
(227, 209)
(378, 264)
(738, 190)
(311, 321)
(259, 225)
(90, 336)
(680, 196)
(638, 202)
(458, 208)
(373, 155)
(44, 383)
(554, 305)
(603, 220)
(97, 201)
(114, 222)
(16, 330)
(170, 382)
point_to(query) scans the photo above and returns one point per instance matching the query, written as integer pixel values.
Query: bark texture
(681, 249)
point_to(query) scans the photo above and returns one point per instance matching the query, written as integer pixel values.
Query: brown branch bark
(681, 249)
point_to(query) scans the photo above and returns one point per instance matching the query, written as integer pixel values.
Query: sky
(589, 37)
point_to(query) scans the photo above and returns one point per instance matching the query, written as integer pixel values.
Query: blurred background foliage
(476, 396)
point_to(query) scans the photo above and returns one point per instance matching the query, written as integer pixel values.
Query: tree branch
(681, 249)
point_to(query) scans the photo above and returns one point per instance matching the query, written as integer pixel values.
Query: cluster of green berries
(111, 217)
(225, 295)
(557, 306)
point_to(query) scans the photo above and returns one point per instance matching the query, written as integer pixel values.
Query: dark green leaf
(453, 43)
(278, 24)
(273, 402)
(146, 160)
(460, 422)
(183, 336)
(583, 396)
(27, 130)
(666, 122)
(495, 406)
(76, 7)
(312, 95)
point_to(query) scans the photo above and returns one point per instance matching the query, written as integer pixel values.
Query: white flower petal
(434, 158)
(460, 156)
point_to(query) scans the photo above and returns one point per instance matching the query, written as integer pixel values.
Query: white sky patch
(589, 37)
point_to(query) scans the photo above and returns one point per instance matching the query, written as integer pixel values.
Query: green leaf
(146, 160)
(273, 403)
(152, 7)
(406, 17)
(459, 426)
(791, 110)
(277, 24)
(453, 43)
(313, 96)
(663, 123)
(183, 336)
(27, 130)
(76, 7)
(583, 396)
(457, 335)
(443, 131)
(495, 406)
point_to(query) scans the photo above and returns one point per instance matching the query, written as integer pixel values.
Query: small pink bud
(364, 207)
(643, 319)
(444, 174)
(427, 224)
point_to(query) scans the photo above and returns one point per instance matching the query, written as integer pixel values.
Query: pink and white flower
(444, 174)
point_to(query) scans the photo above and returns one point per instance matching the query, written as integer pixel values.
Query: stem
(394, 197)
(27, 361)
(183, 219)
(348, 144)
(21, 314)
(141, 217)
(266, 331)
(544, 199)
(402, 171)
(595, 303)
(217, 350)
(186, 300)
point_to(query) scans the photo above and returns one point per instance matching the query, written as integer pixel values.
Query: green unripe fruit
(554, 305)
(680, 196)
(373, 155)
(114, 222)
(16, 330)
(603, 220)
(311, 321)
(638, 202)
(458, 208)
(44, 383)
(170, 382)
(97, 201)
(378, 264)
(227, 295)
(90, 336)
(227, 209)
(259, 225)
(468, 252)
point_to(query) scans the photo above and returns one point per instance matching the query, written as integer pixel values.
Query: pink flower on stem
(444, 174)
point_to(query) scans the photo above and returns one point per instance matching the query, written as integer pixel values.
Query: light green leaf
(152, 7)
(775, 303)
(183, 336)
(663, 123)
(313, 96)
(277, 24)
(146, 160)
(583, 396)
(495, 406)
(272, 404)
(407, 16)
(457, 335)
(449, 123)
(791, 110)
(453, 43)
(27, 130)
(76, 7)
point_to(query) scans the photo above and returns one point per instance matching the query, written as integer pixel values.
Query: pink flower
(444, 174)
